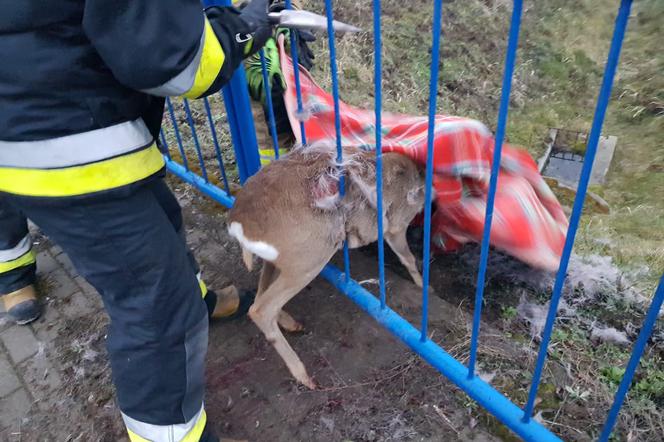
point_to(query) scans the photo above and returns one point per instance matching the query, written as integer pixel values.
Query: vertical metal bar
(163, 141)
(378, 93)
(337, 117)
(433, 94)
(634, 359)
(178, 138)
(268, 100)
(194, 135)
(489, 398)
(296, 71)
(591, 149)
(215, 141)
(241, 124)
(510, 58)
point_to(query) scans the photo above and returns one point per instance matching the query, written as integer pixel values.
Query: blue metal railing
(591, 149)
(510, 59)
(247, 161)
(337, 118)
(428, 189)
(378, 93)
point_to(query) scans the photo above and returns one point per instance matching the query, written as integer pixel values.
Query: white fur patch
(327, 202)
(258, 248)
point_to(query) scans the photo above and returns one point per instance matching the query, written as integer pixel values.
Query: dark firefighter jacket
(82, 85)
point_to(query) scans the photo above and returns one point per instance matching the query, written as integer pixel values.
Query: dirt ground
(371, 387)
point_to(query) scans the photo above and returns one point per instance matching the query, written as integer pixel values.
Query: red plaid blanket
(528, 221)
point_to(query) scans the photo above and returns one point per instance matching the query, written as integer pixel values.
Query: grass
(560, 64)
(562, 52)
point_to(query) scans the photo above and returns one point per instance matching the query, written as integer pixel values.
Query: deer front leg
(398, 243)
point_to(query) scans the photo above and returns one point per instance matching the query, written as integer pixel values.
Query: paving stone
(85, 286)
(56, 250)
(46, 263)
(60, 285)
(40, 376)
(49, 324)
(77, 305)
(66, 263)
(5, 321)
(8, 379)
(13, 409)
(91, 293)
(20, 343)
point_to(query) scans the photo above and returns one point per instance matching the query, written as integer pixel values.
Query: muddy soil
(371, 387)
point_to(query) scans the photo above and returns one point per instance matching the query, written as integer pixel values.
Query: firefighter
(254, 72)
(81, 101)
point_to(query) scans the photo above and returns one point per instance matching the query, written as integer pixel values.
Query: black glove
(304, 54)
(255, 15)
(302, 37)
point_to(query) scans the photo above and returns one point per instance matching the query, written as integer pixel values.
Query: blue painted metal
(199, 183)
(194, 135)
(298, 89)
(483, 393)
(639, 347)
(215, 141)
(270, 110)
(433, 95)
(176, 129)
(378, 93)
(510, 59)
(591, 149)
(337, 118)
(164, 143)
(239, 113)
(241, 124)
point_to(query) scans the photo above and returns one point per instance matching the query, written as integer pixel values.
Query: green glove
(254, 72)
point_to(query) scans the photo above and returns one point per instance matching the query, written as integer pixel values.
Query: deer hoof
(309, 383)
(289, 324)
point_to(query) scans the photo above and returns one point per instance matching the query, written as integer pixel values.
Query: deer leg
(266, 278)
(265, 312)
(399, 244)
(268, 274)
(289, 324)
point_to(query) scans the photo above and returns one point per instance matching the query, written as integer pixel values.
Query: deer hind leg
(265, 314)
(398, 243)
(268, 274)
(266, 278)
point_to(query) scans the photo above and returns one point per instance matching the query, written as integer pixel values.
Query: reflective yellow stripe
(267, 155)
(21, 261)
(193, 436)
(133, 437)
(203, 287)
(212, 59)
(79, 180)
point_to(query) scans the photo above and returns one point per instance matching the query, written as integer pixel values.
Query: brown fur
(278, 206)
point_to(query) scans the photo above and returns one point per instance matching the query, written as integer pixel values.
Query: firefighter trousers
(130, 246)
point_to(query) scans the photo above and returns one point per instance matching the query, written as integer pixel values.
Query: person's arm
(173, 47)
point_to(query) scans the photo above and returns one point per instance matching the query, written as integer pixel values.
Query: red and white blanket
(528, 221)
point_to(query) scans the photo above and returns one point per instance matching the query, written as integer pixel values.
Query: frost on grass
(533, 314)
(594, 284)
(609, 335)
(589, 278)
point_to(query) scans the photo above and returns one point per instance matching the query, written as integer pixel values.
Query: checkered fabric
(528, 221)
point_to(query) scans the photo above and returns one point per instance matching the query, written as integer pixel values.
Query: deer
(294, 215)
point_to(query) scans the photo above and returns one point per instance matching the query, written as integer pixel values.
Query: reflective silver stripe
(21, 249)
(73, 150)
(161, 433)
(182, 82)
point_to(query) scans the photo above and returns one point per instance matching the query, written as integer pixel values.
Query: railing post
(240, 117)
(241, 123)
